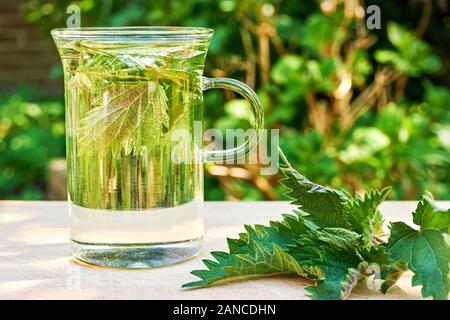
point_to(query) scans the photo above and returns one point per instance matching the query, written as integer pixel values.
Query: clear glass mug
(129, 92)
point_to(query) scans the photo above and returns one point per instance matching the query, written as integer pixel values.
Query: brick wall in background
(26, 56)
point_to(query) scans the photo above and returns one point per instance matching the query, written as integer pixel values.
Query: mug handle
(258, 112)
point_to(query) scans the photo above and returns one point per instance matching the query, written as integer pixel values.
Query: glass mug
(128, 93)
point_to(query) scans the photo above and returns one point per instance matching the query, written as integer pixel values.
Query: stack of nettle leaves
(338, 241)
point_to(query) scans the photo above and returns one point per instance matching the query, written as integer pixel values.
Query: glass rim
(139, 32)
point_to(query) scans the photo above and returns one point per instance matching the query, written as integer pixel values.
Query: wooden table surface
(35, 261)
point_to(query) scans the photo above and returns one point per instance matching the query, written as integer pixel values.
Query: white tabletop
(35, 261)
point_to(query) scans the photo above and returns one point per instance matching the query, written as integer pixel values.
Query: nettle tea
(128, 92)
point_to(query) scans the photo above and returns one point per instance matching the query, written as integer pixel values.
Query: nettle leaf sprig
(337, 240)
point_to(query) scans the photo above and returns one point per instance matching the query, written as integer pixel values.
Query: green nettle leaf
(338, 237)
(426, 253)
(335, 256)
(323, 205)
(363, 214)
(128, 103)
(333, 208)
(132, 114)
(339, 282)
(343, 261)
(259, 251)
(98, 65)
(263, 261)
(333, 239)
(429, 216)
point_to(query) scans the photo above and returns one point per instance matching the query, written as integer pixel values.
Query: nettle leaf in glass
(129, 109)
(129, 100)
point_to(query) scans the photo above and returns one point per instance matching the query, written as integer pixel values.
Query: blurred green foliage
(411, 56)
(31, 134)
(356, 108)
